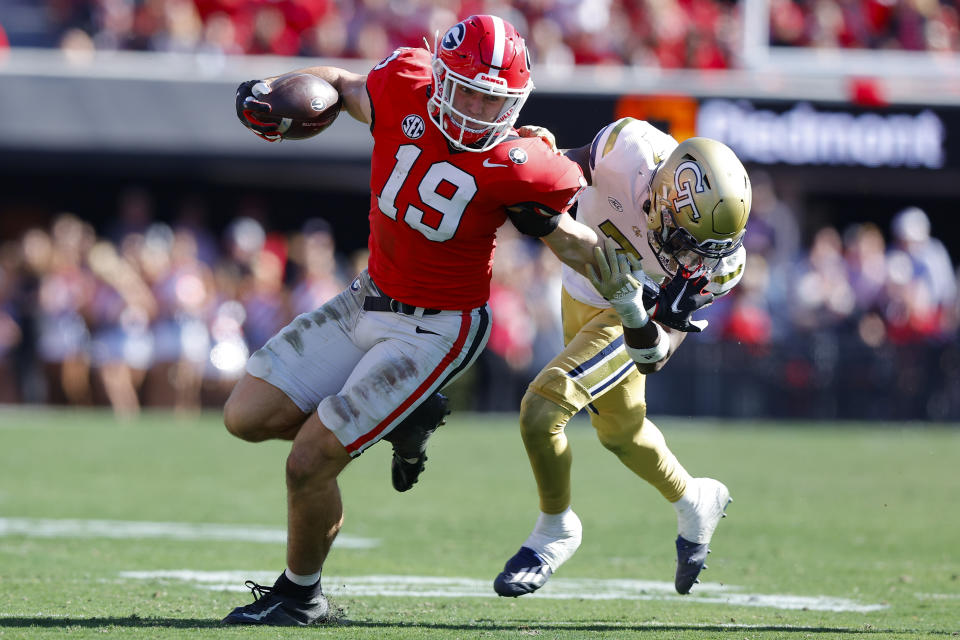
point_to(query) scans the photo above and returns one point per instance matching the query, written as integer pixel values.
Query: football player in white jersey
(673, 217)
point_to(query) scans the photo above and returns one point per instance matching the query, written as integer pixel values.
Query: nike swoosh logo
(487, 163)
(422, 330)
(262, 614)
(673, 307)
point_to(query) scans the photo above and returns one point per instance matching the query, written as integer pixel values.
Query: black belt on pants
(384, 302)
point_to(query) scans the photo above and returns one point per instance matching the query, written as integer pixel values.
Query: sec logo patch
(413, 126)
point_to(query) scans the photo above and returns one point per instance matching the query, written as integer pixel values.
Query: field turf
(148, 529)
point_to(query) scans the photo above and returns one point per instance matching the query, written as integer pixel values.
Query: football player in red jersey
(447, 170)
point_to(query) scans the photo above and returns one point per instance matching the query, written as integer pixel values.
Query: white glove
(618, 284)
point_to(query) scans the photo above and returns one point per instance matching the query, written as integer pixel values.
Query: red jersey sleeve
(401, 70)
(544, 186)
(556, 180)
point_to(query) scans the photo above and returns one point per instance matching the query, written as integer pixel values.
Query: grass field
(147, 530)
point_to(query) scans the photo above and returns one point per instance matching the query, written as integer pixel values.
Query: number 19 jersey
(434, 211)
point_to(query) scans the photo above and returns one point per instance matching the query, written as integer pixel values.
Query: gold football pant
(594, 372)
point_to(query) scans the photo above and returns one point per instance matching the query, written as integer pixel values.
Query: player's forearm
(646, 339)
(572, 243)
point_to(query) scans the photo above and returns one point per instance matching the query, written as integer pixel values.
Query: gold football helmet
(700, 201)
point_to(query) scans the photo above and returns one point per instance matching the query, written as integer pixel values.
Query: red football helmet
(483, 54)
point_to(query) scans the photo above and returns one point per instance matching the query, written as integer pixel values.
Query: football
(303, 104)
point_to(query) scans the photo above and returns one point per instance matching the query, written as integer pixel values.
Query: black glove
(679, 298)
(250, 110)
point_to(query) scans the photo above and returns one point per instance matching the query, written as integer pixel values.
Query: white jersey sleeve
(623, 158)
(627, 146)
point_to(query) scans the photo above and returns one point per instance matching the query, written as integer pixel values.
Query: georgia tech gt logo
(684, 195)
(454, 36)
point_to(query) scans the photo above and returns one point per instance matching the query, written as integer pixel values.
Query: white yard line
(402, 586)
(557, 588)
(56, 528)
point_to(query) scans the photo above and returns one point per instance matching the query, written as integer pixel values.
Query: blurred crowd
(155, 313)
(151, 313)
(703, 34)
(914, 25)
(895, 287)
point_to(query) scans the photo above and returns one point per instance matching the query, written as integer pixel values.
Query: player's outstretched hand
(534, 131)
(617, 283)
(250, 110)
(680, 297)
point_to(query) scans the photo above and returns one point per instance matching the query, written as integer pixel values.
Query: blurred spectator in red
(271, 34)
(788, 24)
(4, 43)
(504, 366)
(910, 230)
(923, 285)
(910, 313)
(748, 320)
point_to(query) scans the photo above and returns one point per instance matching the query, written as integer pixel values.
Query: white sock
(303, 581)
(556, 537)
(687, 517)
(700, 509)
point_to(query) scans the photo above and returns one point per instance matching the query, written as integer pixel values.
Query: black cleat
(524, 573)
(690, 561)
(275, 606)
(409, 440)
